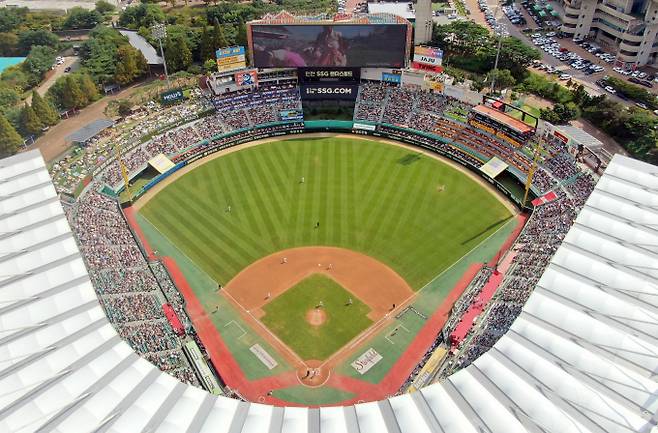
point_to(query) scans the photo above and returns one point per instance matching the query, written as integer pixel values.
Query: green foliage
(631, 91)
(30, 122)
(99, 56)
(44, 110)
(560, 113)
(218, 38)
(73, 91)
(8, 45)
(502, 78)
(11, 18)
(9, 138)
(177, 53)
(142, 15)
(15, 77)
(8, 97)
(545, 87)
(80, 18)
(104, 7)
(634, 128)
(37, 63)
(30, 38)
(470, 46)
(206, 45)
(131, 64)
(125, 107)
(210, 65)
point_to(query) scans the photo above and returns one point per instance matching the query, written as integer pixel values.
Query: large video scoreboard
(350, 45)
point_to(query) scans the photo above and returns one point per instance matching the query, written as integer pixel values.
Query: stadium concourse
(567, 342)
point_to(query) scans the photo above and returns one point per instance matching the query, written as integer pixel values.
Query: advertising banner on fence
(230, 58)
(290, 115)
(171, 96)
(246, 78)
(391, 78)
(366, 361)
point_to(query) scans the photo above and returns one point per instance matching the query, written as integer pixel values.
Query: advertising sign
(246, 78)
(328, 45)
(311, 75)
(428, 56)
(230, 58)
(290, 115)
(171, 96)
(366, 361)
(329, 91)
(391, 78)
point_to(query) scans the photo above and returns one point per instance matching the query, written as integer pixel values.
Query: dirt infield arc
(369, 280)
(374, 283)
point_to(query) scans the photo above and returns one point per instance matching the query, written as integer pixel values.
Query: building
(419, 14)
(625, 27)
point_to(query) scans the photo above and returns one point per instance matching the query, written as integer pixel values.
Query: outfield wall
(461, 155)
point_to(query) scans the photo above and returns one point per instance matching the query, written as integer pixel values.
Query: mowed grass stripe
(223, 258)
(365, 194)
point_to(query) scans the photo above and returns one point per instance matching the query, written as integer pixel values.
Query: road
(58, 72)
(53, 143)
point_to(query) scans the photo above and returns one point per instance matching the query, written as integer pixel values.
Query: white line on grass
(236, 324)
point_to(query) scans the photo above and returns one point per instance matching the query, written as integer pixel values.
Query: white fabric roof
(582, 357)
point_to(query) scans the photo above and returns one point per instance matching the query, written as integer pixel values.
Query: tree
(210, 65)
(44, 110)
(103, 7)
(125, 107)
(9, 138)
(72, 95)
(37, 63)
(30, 122)
(241, 37)
(206, 46)
(502, 78)
(15, 77)
(10, 18)
(178, 54)
(8, 44)
(142, 15)
(218, 38)
(127, 65)
(8, 96)
(80, 18)
(31, 38)
(88, 87)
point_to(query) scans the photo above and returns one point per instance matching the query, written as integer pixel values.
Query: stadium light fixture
(159, 32)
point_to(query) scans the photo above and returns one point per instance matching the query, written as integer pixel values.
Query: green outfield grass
(413, 213)
(286, 317)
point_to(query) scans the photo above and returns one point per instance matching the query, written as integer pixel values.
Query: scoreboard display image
(328, 45)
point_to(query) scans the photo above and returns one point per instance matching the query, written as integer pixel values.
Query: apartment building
(627, 28)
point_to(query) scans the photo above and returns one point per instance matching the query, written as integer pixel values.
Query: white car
(610, 89)
(565, 77)
(618, 70)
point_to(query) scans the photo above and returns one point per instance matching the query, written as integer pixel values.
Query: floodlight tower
(159, 32)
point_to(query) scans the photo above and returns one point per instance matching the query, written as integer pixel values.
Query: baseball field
(315, 241)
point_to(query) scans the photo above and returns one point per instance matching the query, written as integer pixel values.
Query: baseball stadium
(328, 236)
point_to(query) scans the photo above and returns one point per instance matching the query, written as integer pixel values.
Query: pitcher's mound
(316, 316)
